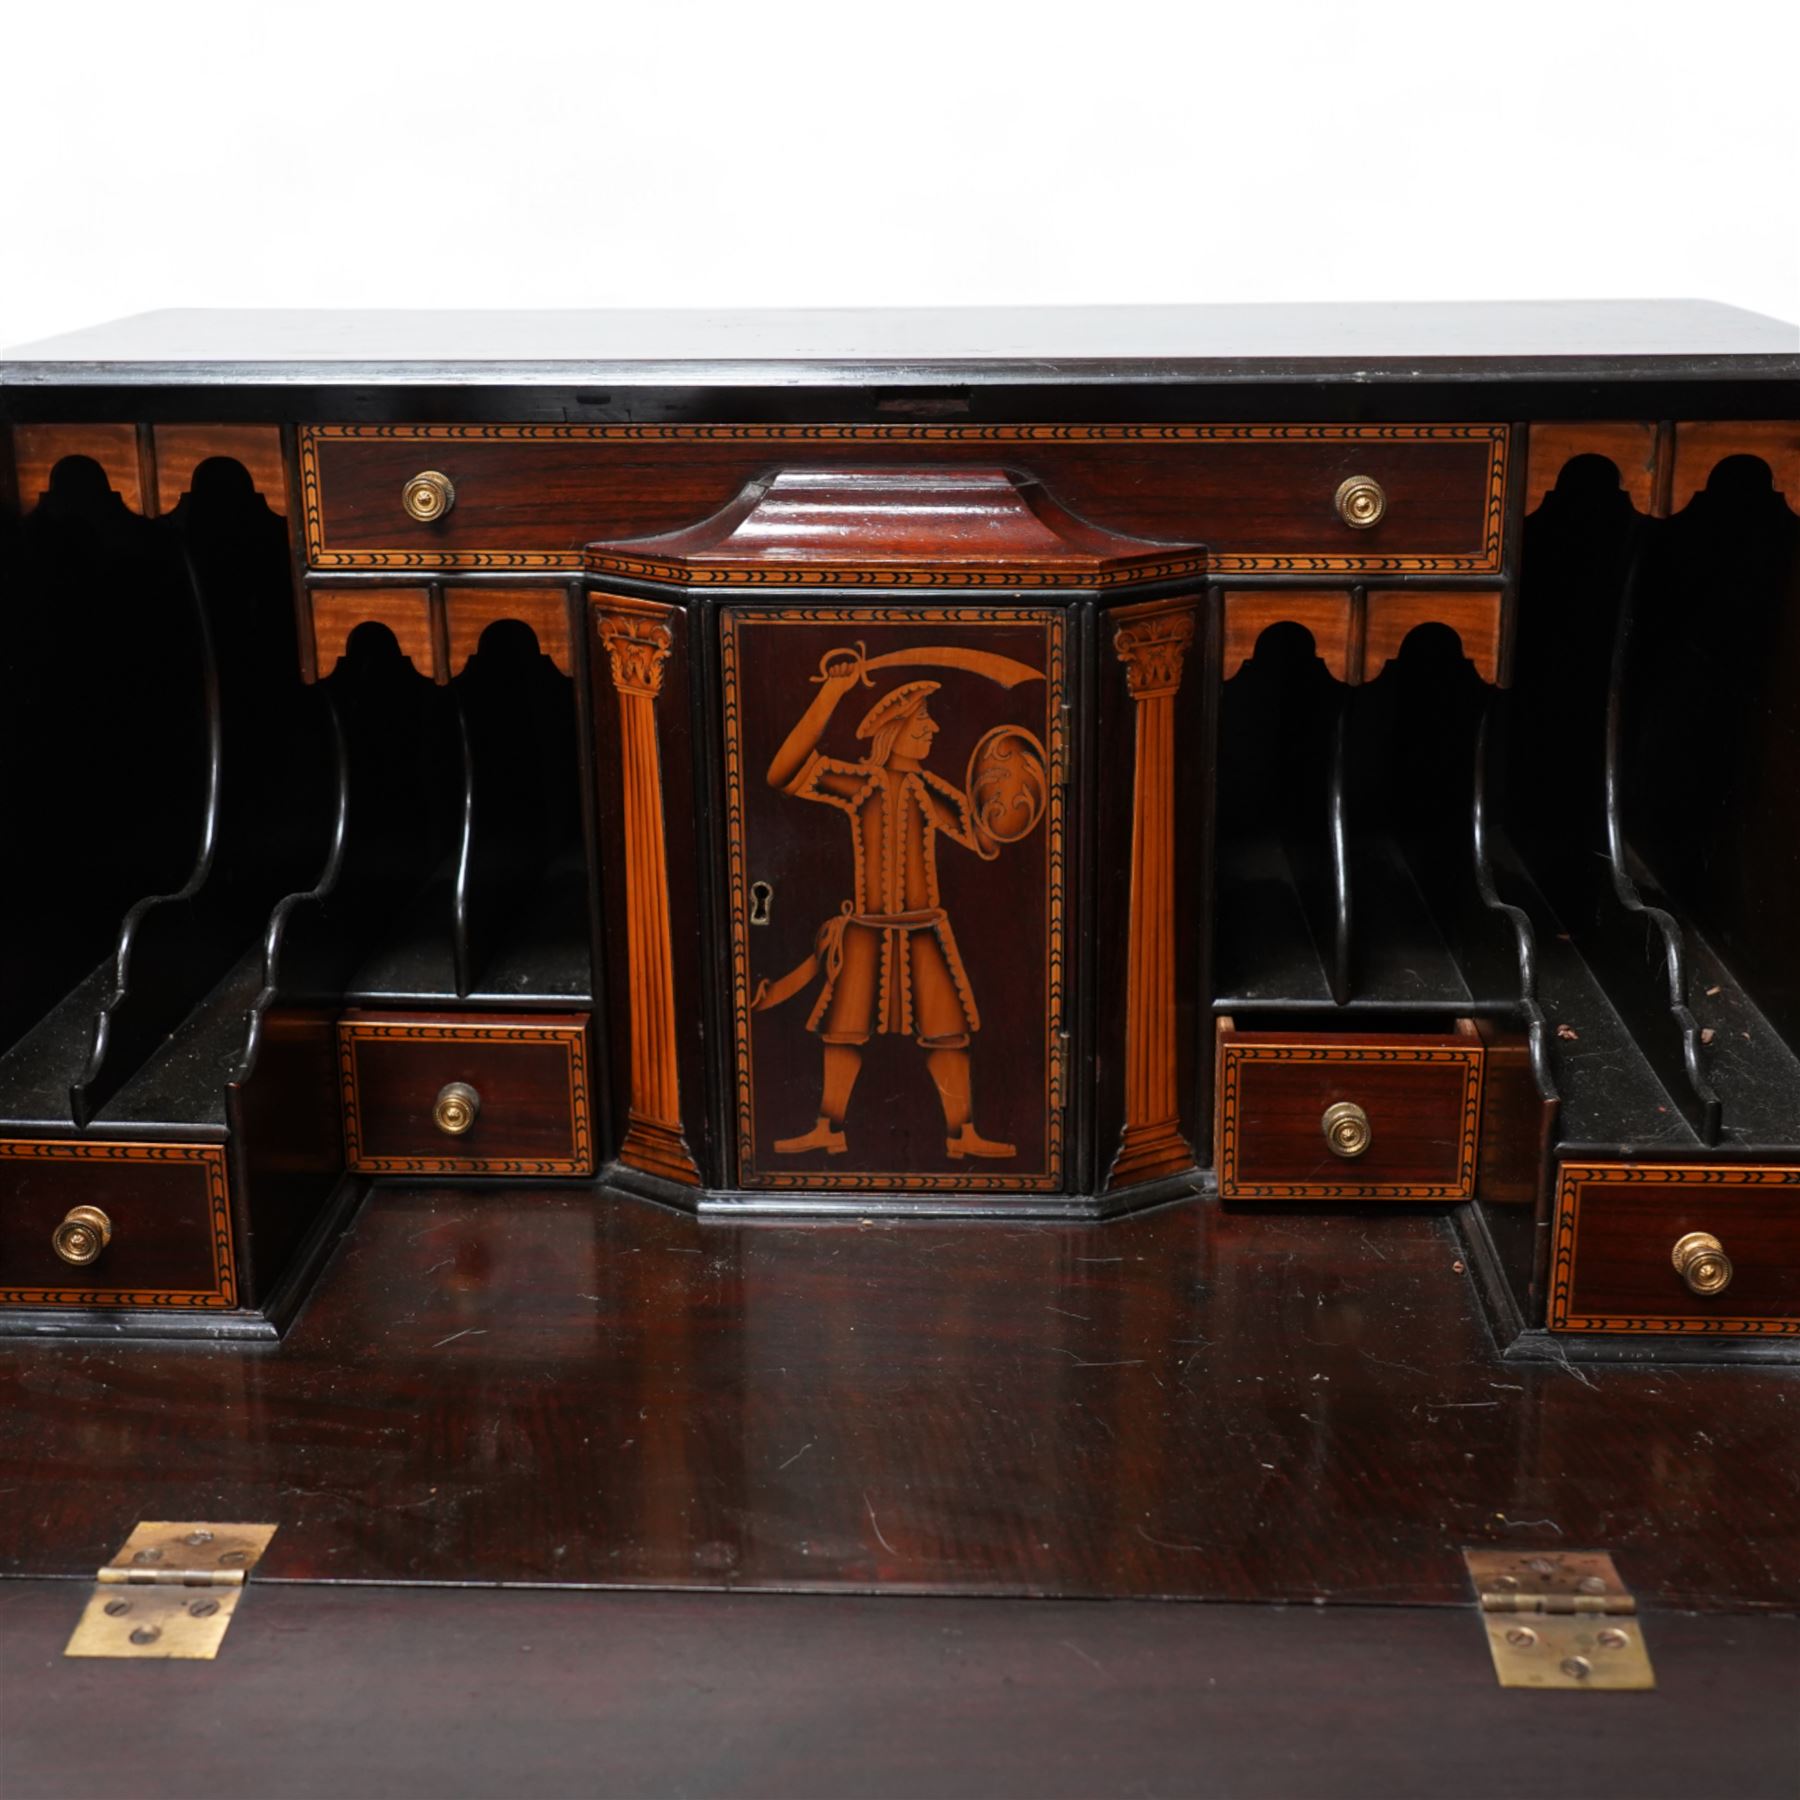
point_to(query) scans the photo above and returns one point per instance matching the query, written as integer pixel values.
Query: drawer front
(1617, 1228)
(528, 1076)
(166, 1229)
(1420, 1098)
(1262, 497)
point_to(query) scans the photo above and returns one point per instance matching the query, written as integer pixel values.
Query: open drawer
(1339, 1115)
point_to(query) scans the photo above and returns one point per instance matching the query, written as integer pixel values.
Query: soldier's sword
(987, 663)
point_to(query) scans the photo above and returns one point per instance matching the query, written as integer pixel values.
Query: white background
(516, 153)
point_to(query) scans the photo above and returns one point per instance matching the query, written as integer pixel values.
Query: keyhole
(760, 896)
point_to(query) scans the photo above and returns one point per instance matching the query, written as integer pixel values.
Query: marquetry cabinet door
(896, 871)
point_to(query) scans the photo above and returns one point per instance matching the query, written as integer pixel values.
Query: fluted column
(638, 644)
(1153, 648)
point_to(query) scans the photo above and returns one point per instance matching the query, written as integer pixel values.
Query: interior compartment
(1651, 756)
(1351, 867)
(1424, 935)
(1282, 921)
(195, 606)
(102, 735)
(465, 868)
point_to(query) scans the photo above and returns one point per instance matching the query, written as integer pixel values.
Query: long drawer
(1262, 497)
(1681, 1247)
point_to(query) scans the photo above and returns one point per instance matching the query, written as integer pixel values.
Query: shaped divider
(1426, 936)
(1283, 920)
(521, 893)
(1653, 760)
(265, 827)
(1703, 791)
(104, 753)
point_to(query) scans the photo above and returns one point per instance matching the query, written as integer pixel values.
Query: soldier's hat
(890, 709)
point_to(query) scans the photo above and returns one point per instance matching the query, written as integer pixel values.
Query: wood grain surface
(326, 1691)
(555, 1385)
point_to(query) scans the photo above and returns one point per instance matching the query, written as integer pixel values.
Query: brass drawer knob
(455, 1108)
(1360, 502)
(1346, 1128)
(1701, 1262)
(82, 1235)
(428, 496)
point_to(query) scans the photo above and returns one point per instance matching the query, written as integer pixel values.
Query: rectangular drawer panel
(1420, 1097)
(166, 1234)
(528, 1073)
(1262, 497)
(1617, 1227)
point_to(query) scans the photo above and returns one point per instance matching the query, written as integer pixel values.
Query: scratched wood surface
(557, 1385)
(330, 1691)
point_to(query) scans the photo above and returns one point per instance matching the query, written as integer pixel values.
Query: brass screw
(147, 1556)
(1521, 1637)
(145, 1634)
(199, 1537)
(1577, 1668)
(117, 1609)
(1541, 1565)
(203, 1609)
(1591, 1584)
(234, 1556)
(1506, 1584)
(1612, 1639)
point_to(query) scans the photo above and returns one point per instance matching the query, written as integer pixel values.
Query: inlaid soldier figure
(889, 956)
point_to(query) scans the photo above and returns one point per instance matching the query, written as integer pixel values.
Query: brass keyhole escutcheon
(1346, 1128)
(455, 1108)
(1701, 1262)
(761, 894)
(1360, 501)
(82, 1235)
(428, 496)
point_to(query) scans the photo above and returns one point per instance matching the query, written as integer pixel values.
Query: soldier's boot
(842, 1061)
(950, 1070)
(970, 1142)
(823, 1136)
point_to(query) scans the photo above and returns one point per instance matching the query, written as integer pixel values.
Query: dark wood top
(566, 1386)
(896, 525)
(852, 346)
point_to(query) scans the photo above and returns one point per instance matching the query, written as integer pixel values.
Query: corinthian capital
(1152, 649)
(638, 647)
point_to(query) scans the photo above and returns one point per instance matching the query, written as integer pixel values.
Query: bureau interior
(1533, 821)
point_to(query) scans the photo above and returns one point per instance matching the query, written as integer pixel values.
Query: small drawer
(1687, 1247)
(91, 1223)
(465, 1094)
(1348, 1115)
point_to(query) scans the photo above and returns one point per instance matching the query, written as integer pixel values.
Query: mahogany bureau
(1225, 779)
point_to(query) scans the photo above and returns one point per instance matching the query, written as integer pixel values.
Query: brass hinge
(170, 1591)
(1560, 1619)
